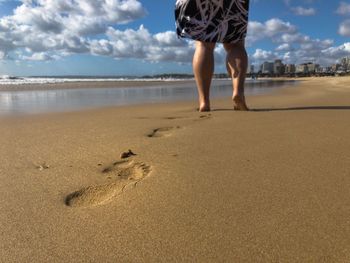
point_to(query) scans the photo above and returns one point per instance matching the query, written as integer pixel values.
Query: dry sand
(271, 185)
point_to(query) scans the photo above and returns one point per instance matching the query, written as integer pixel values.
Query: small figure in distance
(209, 22)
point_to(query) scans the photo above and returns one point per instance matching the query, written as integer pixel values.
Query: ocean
(10, 80)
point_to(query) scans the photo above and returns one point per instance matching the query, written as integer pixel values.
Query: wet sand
(74, 97)
(88, 84)
(120, 84)
(270, 185)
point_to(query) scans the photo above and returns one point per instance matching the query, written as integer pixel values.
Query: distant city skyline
(137, 37)
(278, 67)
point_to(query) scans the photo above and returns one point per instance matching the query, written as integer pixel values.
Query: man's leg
(237, 63)
(203, 68)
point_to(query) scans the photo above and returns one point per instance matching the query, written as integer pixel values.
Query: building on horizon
(267, 68)
(307, 68)
(250, 69)
(345, 63)
(312, 67)
(290, 69)
(278, 67)
(301, 69)
(335, 67)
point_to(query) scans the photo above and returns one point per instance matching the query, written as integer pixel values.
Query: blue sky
(136, 37)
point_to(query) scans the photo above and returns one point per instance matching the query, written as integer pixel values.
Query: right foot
(240, 104)
(204, 109)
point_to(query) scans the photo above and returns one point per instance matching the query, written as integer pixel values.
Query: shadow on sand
(294, 108)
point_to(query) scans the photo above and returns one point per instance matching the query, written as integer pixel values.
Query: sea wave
(9, 80)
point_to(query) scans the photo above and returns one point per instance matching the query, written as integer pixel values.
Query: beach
(269, 185)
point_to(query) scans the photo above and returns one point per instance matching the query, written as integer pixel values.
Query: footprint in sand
(42, 166)
(162, 132)
(167, 131)
(173, 118)
(205, 116)
(201, 117)
(123, 173)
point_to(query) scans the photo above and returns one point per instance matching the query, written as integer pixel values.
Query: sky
(137, 37)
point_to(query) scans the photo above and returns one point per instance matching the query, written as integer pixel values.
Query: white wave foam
(8, 80)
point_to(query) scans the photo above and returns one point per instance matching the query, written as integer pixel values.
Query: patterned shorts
(223, 21)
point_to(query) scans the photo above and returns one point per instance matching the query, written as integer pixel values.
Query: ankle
(240, 103)
(238, 96)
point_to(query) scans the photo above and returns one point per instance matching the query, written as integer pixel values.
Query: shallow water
(41, 101)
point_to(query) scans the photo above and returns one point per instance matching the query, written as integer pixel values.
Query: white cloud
(344, 28)
(302, 11)
(334, 53)
(64, 26)
(343, 9)
(293, 38)
(42, 56)
(264, 55)
(322, 55)
(143, 45)
(49, 29)
(284, 47)
(271, 28)
(291, 44)
(42, 30)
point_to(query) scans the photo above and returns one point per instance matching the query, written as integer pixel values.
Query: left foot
(239, 103)
(204, 107)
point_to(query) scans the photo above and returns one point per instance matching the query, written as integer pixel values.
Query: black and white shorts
(223, 21)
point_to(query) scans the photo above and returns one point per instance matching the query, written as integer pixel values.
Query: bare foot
(240, 104)
(204, 107)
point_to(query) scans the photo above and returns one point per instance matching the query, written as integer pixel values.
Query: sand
(270, 185)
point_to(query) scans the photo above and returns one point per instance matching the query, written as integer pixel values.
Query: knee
(229, 47)
(208, 46)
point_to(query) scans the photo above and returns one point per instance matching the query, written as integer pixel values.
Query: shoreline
(270, 185)
(114, 84)
(78, 96)
(87, 84)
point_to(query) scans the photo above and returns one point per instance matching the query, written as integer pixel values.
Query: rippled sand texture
(268, 185)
